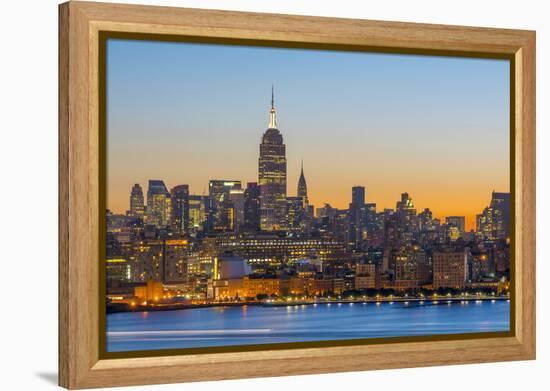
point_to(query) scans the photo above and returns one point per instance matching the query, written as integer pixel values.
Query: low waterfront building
(316, 286)
(327, 285)
(450, 268)
(118, 271)
(230, 266)
(257, 286)
(494, 285)
(152, 291)
(248, 287)
(159, 260)
(366, 276)
(300, 285)
(276, 250)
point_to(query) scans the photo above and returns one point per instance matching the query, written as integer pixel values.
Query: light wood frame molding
(80, 365)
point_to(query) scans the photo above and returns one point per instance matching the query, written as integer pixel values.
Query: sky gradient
(435, 127)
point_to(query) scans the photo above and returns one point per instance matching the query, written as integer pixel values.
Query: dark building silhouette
(252, 207)
(180, 209)
(358, 195)
(357, 215)
(500, 202)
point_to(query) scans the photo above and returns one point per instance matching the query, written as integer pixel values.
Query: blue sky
(187, 113)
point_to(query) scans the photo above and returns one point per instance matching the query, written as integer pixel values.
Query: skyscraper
(137, 207)
(272, 176)
(500, 202)
(494, 221)
(198, 209)
(158, 204)
(455, 227)
(300, 220)
(252, 207)
(406, 204)
(406, 214)
(236, 196)
(221, 207)
(302, 186)
(357, 216)
(425, 220)
(456, 221)
(358, 195)
(180, 209)
(371, 218)
(295, 214)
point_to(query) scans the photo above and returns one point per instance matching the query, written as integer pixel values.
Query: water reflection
(222, 326)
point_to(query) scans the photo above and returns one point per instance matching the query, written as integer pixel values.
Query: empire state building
(272, 176)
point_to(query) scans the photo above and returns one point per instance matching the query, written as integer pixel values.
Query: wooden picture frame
(80, 156)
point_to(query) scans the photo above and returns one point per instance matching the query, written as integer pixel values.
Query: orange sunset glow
(435, 127)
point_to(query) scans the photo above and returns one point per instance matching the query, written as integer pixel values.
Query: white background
(28, 191)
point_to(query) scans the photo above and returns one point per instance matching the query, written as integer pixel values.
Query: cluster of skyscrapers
(258, 241)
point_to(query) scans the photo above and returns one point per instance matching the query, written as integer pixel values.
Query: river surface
(223, 326)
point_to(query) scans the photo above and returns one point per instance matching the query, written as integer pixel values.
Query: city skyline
(468, 225)
(429, 172)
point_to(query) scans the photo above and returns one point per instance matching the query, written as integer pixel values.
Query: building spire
(302, 186)
(272, 114)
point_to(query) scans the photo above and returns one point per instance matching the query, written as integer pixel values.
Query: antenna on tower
(272, 115)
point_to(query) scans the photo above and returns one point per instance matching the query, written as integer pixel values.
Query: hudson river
(222, 326)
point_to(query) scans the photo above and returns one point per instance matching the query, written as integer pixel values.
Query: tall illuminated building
(180, 209)
(221, 208)
(302, 186)
(299, 220)
(198, 209)
(494, 221)
(159, 204)
(406, 205)
(272, 176)
(371, 218)
(425, 220)
(406, 214)
(236, 196)
(295, 214)
(137, 206)
(455, 227)
(458, 222)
